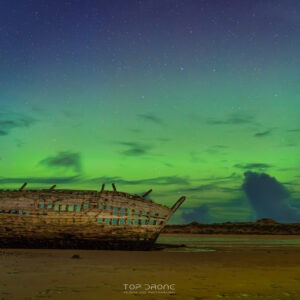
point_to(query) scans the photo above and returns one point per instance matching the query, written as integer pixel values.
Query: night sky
(195, 98)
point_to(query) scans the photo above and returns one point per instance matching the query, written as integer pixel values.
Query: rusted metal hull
(80, 219)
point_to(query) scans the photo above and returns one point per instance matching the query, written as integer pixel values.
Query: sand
(227, 273)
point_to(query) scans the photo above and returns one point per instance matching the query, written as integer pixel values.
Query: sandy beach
(227, 273)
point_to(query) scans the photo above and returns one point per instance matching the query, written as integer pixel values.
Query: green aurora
(180, 100)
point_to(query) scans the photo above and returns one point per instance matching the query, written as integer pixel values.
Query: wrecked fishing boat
(82, 219)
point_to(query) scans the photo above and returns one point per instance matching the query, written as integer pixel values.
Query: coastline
(199, 235)
(260, 227)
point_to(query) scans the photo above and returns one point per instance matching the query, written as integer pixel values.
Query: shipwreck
(80, 219)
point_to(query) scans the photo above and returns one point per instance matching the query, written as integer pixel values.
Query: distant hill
(263, 226)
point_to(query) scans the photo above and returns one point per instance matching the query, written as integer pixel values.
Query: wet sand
(227, 273)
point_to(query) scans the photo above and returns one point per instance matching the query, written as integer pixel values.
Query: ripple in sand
(50, 292)
(243, 295)
(190, 249)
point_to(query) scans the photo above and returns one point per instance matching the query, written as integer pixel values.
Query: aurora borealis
(180, 96)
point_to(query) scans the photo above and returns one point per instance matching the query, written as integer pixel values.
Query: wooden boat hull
(27, 234)
(73, 243)
(80, 219)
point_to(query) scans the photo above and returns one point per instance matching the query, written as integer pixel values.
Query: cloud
(3, 132)
(294, 130)
(217, 210)
(199, 214)
(135, 130)
(151, 118)
(223, 184)
(134, 149)
(269, 198)
(165, 180)
(10, 121)
(40, 180)
(200, 188)
(263, 133)
(156, 181)
(217, 149)
(214, 186)
(67, 160)
(168, 165)
(259, 166)
(220, 179)
(233, 119)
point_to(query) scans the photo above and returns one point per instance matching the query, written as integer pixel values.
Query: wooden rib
(102, 188)
(23, 186)
(147, 193)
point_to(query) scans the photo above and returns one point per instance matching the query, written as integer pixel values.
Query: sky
(194, 97)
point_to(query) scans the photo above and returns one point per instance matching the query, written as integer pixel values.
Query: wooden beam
(102, 188)
(147, 193)
(114, 187)
(23, 186)
(53, 187)
(177, 204)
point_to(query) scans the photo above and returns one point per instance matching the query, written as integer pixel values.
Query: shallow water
(198, 243)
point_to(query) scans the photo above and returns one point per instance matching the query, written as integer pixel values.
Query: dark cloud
(3, 132)
(134, 149)
(216, 149)
(40, 180)
(220, 146)
(263, 133)
(214, 186)
(200, 188)
(156, 181)
(10, 121)
(223, 184)
(66, 160)
(269, 198)
(289, 145)
(259, 166)
(233, 119)
(151, 118)
(218, 179)
(294, 130)
(199, 214)
(216, 210)
(168, 165)
(167, 180)
(135, 130)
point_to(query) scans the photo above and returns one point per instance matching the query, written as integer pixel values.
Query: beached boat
(104, 219)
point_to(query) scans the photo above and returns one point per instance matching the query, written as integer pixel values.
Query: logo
(149, 288)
